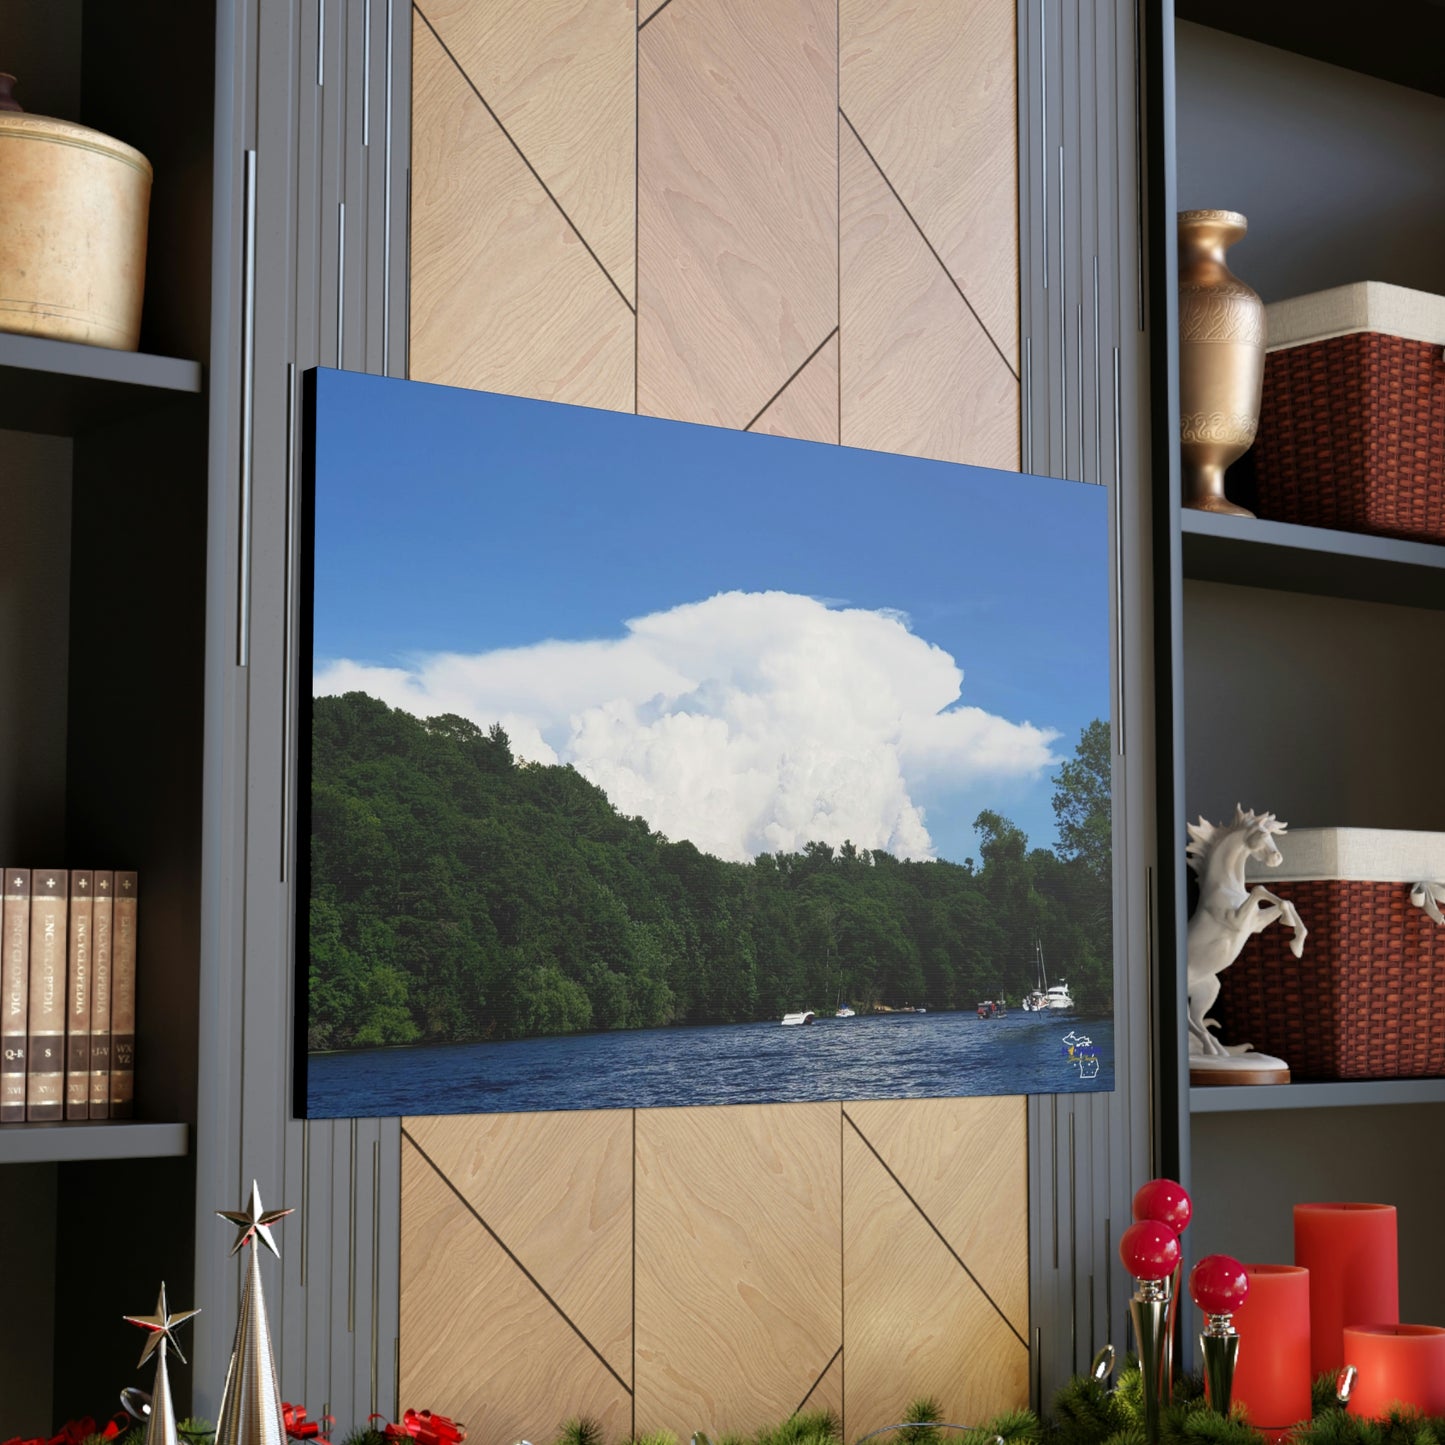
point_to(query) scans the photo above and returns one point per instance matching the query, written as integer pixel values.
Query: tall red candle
(1272, 1378)
(1351, 1253)
(1398, 1365)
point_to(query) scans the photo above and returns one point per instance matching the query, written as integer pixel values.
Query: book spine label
(45, 1066)
(100, 953)
(78, 995)
(14, 993)
(122, 996)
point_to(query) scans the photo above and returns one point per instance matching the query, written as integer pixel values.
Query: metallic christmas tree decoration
(161, 1420)
(250, 1412)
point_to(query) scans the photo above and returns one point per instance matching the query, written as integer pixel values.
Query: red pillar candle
(1272, 1378)
(1398, 1365)
(1351, 1253)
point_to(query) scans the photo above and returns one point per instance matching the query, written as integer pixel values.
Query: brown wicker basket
(1367, 1000)
(1352, 436)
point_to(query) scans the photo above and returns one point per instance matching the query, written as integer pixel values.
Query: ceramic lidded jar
(1221, 358)
(73, 213)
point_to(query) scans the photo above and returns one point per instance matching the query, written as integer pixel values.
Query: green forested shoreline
(459, 894)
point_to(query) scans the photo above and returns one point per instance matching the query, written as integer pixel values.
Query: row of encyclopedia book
(67, 990)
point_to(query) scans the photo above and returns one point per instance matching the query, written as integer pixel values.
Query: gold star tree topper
(159, 1326)
(254, 1220)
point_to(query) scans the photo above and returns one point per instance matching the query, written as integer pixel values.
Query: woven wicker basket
(1352, 421)
(1367, 1000)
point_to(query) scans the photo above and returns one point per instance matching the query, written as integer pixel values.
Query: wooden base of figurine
(1238, 1069)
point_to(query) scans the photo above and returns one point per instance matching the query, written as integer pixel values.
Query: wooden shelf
(1250, 552)
(61, 388)
(115, 1139)
(1354, 1094)
(1400, 41)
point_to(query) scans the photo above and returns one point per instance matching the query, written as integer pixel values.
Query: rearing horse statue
(1228, 912)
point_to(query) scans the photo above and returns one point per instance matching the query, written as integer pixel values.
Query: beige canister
(73, 209)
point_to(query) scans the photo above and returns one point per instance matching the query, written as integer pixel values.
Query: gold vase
(1221, 358)
(73, 212)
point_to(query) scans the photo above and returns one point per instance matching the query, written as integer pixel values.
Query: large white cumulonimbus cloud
(748, 723)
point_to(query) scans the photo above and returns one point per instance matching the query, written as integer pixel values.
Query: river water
(885, 1056)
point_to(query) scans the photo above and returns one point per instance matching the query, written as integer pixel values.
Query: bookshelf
(1299, 683)
(103, 483)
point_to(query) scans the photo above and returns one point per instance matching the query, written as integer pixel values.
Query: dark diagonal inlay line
(923, 1213)
(655, 13)
(923, 235)
(511, 140)
(821, 1374)
(501, 1244)
(792, 378)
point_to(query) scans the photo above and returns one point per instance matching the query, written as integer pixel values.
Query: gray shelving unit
(1303, 680)
(115, 1140)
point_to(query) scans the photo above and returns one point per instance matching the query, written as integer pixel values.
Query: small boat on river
(797, 1020)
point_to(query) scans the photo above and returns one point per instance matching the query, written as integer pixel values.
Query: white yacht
(1047, 998)
(793, 1021)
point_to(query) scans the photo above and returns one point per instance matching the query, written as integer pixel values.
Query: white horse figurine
(1228, 912)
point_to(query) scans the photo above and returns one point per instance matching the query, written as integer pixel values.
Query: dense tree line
(460, 894)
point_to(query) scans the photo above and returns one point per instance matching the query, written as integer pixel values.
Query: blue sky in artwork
(800, 604)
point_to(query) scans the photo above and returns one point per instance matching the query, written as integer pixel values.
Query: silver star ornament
(159, 1327)
(254, 1220)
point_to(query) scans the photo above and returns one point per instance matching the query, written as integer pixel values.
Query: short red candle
(1272, 1378)
(1352, 1255)
(1398, 1365)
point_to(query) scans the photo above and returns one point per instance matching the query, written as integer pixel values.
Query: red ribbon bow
(298, 1427)
(71, 1433)
(425, 1428)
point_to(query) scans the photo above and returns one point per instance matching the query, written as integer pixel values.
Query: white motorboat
(1047, 998)
(845, 1013)
(793, 1021)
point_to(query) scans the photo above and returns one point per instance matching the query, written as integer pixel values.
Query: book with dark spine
(78, 996)
(122, 996)
(100, 934)
(14, 994)
(45, 1064)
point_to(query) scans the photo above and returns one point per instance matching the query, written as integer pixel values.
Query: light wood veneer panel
(914, 1322)
(557, 1189)
(737, 202)
(738, 1237)
(808, 406)
(561, 76)
(919, 374)
(827, 1394)
(504, 295)
(477, 1335)
(932, 87)
(966, 1163)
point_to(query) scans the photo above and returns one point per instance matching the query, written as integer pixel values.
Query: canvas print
(658, 764)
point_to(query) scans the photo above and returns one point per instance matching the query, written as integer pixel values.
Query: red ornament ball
(1166, 1201)
(1219, 1284)
(1149, 1250)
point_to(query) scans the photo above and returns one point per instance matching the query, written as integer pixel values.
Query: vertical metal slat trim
(320, 42)
(1120, 740)
(375, 1271)
(248, 408)
(351, 1241)
(386, 207)
(366, 75)
(288, 626)
(340, 284)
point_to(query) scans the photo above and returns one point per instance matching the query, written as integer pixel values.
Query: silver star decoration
(159, 1327)
(254, 1220)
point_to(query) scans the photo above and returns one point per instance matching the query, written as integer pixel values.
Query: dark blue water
(887, 1056)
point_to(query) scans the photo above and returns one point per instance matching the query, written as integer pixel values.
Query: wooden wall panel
(889, 323)
(739, 1307)
(737, 202)
(489, 241)
(965, 1163)
(919, 373)
(479, 1341)
(557, 1189)
(560, 76)
(914, 1317)
(807, 406)
(931, 86)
